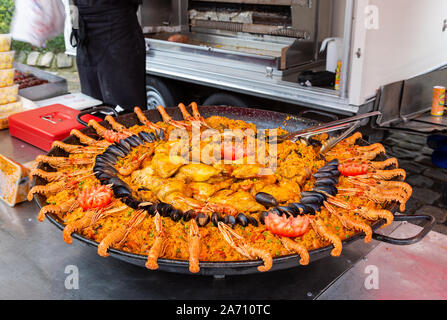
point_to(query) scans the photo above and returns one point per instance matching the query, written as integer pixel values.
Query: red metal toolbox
(41, 127)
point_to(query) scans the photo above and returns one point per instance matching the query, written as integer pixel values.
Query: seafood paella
(216, 189)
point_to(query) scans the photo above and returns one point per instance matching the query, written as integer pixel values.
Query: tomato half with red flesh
(351, 168)
(287, 227)
(232, 151)
(95, 197)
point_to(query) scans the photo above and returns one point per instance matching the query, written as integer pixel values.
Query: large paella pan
(212, 193)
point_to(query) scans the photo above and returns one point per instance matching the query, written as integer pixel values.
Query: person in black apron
(111, 52)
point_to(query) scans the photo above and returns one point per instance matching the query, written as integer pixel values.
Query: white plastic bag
(36, 21)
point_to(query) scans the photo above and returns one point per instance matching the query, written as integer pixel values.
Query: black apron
(111, 53)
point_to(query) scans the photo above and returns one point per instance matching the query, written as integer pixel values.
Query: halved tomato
(95, 197)
(352, 168)
(287, 227)
(233, 151)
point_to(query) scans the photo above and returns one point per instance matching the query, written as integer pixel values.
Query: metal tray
(263, 119)
(56, 85)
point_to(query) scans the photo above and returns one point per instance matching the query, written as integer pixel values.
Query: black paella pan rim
(263, 119)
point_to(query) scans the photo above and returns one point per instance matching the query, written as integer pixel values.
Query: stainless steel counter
(35, 263)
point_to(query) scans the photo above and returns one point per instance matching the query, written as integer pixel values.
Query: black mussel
(117, 182)
(216, 218)
(113, 149)
(322, 197)
(145, 136)
(323, 175)
(102, 160)
(104, 176)
(124, 144)
(334, 162)
(153, 136)
(276, 211)
(176, 215)
(131, 202)
(314, 142)
(188, 215)
(242, 219)
(327, 168)
(302, 208)
(160, 135)
(121, 192)
(150, 208)
(135, 141)
(102, 167)
(290, 210)
(266, 199)
(131, 141)
(138, 139)
(109, 156)
(230, 220)
(325, 182)
(202, 219)
(327, 190)
(314, 207)
(253, 221)
(123, 149)
(335, 173)
(311, 200)
(164, 209)
(262, 216)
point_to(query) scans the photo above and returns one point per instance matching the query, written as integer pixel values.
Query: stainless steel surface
(404, 272)
(347, 44)
(417, 93)
(17, 149)
(56, 85)
(433, 120)
(406, 104)
(388, 103)
(237, 77)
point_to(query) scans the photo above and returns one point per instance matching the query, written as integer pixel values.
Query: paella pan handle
(430, 221)
(94, 110)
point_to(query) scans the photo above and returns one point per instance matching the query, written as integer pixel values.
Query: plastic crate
(6, 59)
(14, 181)
(8, 94)
(9, 109)
(5, 42)
(6, 78)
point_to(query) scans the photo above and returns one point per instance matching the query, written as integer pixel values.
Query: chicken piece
(202, 191)
(302, 176)
(145, 178)
(284, 191)
(249, 171)
(165, 148)
(171, 186)
(182, 202)
(197, 172)
(243, 201)
(166, 165)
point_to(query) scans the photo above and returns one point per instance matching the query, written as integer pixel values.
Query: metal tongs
(328, 127)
